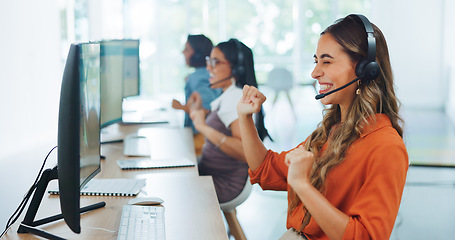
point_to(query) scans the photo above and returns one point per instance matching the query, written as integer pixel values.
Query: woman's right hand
(251, 101)
(194, 101)
(300, 162)
(198, 118)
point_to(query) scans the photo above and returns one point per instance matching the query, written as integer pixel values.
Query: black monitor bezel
(69, 163)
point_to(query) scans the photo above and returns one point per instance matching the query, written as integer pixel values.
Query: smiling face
(219, 69)
(333, 69)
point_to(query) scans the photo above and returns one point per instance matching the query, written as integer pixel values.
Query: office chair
(280, 79)
(230, 212)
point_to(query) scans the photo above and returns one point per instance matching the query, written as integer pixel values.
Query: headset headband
(238, 69)
(371, 53)
(367, 68)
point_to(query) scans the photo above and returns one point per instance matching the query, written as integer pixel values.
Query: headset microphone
(222, 80)
(322, 95)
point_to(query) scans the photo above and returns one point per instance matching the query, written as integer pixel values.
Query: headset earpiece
(367, 69)
(239, 69)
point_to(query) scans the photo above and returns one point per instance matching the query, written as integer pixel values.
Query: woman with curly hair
(345, 181)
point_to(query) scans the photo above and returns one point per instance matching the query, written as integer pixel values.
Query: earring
(357, 92)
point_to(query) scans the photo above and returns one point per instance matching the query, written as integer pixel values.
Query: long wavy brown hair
(378, 96)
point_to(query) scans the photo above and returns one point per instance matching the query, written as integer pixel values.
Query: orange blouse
(367, 185)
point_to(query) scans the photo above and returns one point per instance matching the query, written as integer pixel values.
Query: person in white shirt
(231, 66)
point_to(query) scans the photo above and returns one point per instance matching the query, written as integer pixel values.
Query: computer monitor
(78, 128)
(119, 77)
(78, 158)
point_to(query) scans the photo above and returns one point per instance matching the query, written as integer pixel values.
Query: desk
(165, 143)
(191, 205)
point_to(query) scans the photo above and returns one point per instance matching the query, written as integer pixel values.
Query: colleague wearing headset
(197, 47)
(231, 67)
(345, 181)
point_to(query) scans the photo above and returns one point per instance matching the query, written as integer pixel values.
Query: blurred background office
(35, 38)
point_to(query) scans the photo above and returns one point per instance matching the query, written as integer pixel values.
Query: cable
(102, 229)
(24, 201)
(22, 205)
(89, 228)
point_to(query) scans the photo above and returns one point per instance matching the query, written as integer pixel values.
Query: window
(280, 32)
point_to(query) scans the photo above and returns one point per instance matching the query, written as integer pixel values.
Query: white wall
(450, 107)
(31, 73)
(30, 80)
(449, 50)
(415, 32)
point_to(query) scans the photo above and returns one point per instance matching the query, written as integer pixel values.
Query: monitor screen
(119, 77)
(111, 61)
(78, 128)
(131, 68)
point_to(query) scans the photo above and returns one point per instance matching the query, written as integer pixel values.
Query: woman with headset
(345, 181)
(197, 47)
(231, 67)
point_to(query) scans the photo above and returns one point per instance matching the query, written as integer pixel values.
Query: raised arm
(231, 145)
(253, 147)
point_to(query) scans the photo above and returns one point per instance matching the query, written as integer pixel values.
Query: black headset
(238, 69)
(367, 69)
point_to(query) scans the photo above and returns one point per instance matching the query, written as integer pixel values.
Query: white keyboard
(142, 222)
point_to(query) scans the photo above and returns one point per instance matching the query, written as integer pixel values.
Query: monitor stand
(29, 225)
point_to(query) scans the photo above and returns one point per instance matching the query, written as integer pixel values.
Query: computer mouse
(146, 201)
